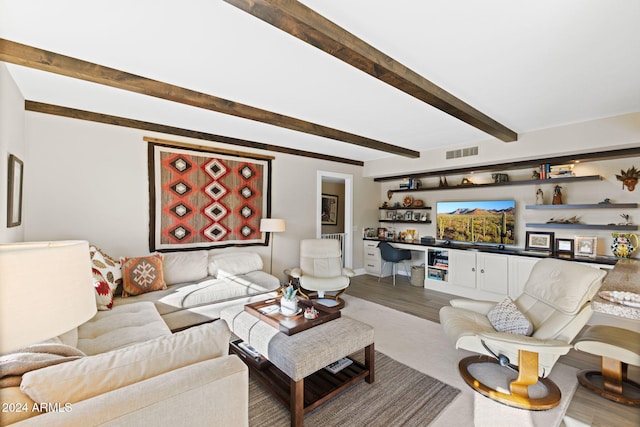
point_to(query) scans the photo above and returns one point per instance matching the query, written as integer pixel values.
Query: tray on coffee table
(290, 325)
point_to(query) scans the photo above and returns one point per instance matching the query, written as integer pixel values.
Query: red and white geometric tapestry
(204, 199)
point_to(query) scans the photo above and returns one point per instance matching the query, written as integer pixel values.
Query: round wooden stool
(617, 348)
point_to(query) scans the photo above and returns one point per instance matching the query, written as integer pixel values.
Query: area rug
(422, 345)
(399, 395)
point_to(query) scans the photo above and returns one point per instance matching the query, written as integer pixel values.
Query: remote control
(249, 349)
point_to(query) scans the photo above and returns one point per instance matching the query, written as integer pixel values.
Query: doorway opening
(335, 211)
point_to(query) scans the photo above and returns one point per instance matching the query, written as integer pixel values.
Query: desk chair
(390, 254)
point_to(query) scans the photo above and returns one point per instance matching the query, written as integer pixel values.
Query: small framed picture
(382, 233)
(564, 248)
(586, 247)
(539, 241)
(408, 216)
(390, 214)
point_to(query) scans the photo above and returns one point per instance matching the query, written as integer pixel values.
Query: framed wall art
(539, 241)
(329, 209)
(203, 199)
(14, 191)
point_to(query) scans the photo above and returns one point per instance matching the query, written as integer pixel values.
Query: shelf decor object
(586, 247)
(623, 244)
(539, 241)
(564, 248)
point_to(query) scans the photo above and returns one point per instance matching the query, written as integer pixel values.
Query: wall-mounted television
(482, 221)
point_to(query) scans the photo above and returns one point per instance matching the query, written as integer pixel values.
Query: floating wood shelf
(404, 221)
(499, 184)
(404, 209)
(584, 226)
(586, 206)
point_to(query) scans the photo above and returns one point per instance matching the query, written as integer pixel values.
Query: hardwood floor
(585, 406)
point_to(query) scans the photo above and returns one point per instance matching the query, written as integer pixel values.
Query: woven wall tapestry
(201, 199)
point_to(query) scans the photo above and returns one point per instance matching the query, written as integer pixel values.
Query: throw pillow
(141, 275)
(507, 317)
(108, 267)
(104, 294)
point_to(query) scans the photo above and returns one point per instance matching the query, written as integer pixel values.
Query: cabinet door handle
(370, 265)
(482, 270)
(473, 269)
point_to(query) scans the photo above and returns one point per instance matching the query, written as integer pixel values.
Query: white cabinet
(462, 268)
(483, 271)
(372, 260)
(492, 273)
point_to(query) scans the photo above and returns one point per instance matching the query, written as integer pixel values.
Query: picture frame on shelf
(585, 247)
(564, 248)
(408, 216)
(541, 241)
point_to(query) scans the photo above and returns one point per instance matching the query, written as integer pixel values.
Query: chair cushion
(507, 317)
(564, 285)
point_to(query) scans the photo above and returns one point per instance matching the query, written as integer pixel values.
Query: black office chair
(393, 255)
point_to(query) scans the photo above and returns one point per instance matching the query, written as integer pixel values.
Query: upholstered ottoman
(618, 348)
(304, 355)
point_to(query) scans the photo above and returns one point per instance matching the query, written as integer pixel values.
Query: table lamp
(46, 289)
(272, 225)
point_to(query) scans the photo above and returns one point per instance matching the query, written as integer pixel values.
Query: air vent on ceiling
(462, 152)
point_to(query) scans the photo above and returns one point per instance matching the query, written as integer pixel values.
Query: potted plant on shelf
(289, 302)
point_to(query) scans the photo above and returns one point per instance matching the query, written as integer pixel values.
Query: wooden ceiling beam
(304, 23)
(40, 59)
(73, 113)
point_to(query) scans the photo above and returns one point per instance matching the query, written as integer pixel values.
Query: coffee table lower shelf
(314, 389)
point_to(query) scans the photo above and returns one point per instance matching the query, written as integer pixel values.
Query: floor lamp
(272, 225)
(47, 289)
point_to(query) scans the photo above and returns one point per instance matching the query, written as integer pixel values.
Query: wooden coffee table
(290, 325)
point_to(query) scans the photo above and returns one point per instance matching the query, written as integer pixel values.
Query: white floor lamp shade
(46, 289)
(272, 225)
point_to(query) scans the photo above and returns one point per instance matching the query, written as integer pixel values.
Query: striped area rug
(400, 395)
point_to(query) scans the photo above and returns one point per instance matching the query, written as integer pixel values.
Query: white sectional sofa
(201, 283)
(126, 367)
(134, 372)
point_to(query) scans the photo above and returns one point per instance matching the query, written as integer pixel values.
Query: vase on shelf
(624, 244)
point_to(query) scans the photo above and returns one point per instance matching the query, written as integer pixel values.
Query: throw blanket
(36, 356)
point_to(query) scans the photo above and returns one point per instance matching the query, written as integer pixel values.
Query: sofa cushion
(233, 263)
(507, 317)
(142, 274)
(13, 397)
(123, 326)
(181, 267)
(91, 376)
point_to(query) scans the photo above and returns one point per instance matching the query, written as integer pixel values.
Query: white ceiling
(527, 64)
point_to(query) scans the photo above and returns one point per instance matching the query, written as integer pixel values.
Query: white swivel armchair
(556, 304)
(321, 274)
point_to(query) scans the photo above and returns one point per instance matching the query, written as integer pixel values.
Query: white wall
(596, 135)
(11, 142)
(89, 181)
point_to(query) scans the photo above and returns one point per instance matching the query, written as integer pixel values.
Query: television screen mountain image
(477, 221)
